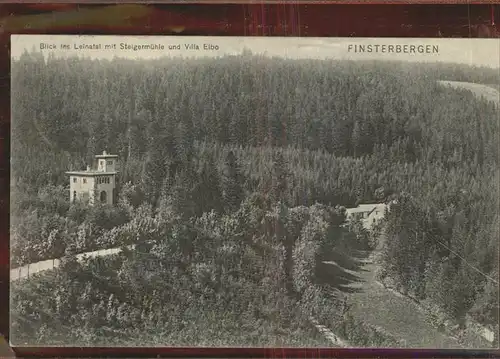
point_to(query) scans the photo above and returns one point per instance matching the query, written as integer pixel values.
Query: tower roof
(105, 155)
(90, 173)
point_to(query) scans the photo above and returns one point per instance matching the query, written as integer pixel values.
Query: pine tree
(182, 193)
(184, 143)
(279, 181)
(232, 191)
(156, 165)
(208, 192)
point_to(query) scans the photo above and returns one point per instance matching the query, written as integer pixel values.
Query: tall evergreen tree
(232, 190)
(208, 191)
(279, 181)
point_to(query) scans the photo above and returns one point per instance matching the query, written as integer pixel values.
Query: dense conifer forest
(235, 174)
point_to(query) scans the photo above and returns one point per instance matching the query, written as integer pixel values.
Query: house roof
(106, 155)
(363, 208)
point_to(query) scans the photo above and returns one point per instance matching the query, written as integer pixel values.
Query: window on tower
(74, 179)
(84, 180)
(110, 163)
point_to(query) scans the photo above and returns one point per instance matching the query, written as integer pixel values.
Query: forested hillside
(200, 141)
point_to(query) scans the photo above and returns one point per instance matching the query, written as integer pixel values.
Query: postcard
(177, 191)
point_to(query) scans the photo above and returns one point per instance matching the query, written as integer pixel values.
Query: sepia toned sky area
(479, 52)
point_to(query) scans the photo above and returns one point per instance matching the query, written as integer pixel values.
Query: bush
(360, 334)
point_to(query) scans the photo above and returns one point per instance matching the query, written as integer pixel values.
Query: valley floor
(351, 271)
(389, 311)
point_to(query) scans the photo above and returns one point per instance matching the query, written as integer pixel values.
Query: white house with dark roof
(92, 184)
(368, 214)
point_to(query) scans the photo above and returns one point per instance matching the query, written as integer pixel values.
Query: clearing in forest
(352, 271)
(489, 92)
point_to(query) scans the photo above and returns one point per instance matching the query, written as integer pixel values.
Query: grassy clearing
(352, 272)
(490, 92)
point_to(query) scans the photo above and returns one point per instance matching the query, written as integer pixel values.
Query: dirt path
(30, 269)
(371, 302)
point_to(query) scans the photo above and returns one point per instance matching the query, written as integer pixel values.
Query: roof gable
(366, 208)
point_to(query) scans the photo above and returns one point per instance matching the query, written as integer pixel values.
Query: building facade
(95, 184)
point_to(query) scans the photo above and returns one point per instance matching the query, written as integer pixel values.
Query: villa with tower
(97, 183)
